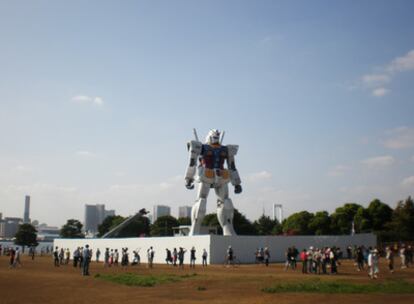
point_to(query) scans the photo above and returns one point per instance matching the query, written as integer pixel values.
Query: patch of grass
(131, 279)
(201, 288)
(317, 286)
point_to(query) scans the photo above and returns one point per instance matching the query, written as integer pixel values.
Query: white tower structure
(278, 212)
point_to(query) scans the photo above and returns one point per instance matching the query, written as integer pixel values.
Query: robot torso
(213, 156)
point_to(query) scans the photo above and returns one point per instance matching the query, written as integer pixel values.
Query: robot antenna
(222, 136)
(195, 134)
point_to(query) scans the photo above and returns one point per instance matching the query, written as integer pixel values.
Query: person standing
(175, 256)
(389, 255)
(304, 258)
(181, 253)
(116, 256)
(192, 257)
(150, 256)
(86, 254)
(266, 254)
(98, 253)
(403, 257)
(204, 256)
(67, 256)
(56, 256)
(373, 261)
(106, 258)
(230, 254)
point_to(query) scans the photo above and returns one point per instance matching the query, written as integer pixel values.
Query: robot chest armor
(213, 157)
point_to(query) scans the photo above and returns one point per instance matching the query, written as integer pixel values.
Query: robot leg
(225, 210)
(199, 209)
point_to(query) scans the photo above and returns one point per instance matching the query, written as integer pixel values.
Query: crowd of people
(314, 260)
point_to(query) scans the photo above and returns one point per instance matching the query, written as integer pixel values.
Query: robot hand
(237, 189)
(189, 184)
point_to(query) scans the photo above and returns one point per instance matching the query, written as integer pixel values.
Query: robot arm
(234, 174)
(194, 147)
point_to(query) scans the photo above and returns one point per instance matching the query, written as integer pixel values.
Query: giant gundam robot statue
(210, 173)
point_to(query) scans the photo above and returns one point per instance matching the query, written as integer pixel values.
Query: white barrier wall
(159, 244)
(244, 247)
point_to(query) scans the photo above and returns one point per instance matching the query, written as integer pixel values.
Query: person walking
(168, 258)
(16, 261)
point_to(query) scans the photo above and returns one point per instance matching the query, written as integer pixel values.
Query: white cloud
(404, 63)
(259, 176)
(409, 181)
(385, 74)
(88, 99)
(379, 92)
(85, 154)
(338, 170)
(379, 161)
(372, 80)
(400, 138)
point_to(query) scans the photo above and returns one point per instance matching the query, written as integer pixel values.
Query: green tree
(402, 223)
(26, 236)
(163, 226)
(109, 223)
(185, 221)
(72, 229)
(380, 214)
(298, 223)
(320, 224)
(139, 226)
(264, 225)
(342, 218)
(242, 225)
(211, 220)
(362, 220)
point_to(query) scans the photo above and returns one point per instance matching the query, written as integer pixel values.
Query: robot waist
(213, 175)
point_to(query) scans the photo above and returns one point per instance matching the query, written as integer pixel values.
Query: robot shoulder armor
(232, 149)
(194, 146)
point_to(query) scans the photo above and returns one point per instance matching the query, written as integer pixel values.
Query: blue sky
(98, 98)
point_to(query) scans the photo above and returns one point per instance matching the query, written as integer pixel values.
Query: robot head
(213, 137)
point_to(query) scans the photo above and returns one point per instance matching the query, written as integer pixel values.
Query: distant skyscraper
(278, 212)
(9, 227)
(94, 216)
(184, 211)
(160, 210)
(26, 217)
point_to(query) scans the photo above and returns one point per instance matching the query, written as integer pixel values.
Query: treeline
(389, 224)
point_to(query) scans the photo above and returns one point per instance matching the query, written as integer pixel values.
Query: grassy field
(39, 282)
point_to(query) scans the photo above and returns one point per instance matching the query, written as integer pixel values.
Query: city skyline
(98, 101)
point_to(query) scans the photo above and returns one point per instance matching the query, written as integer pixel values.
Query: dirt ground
(39, 281)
